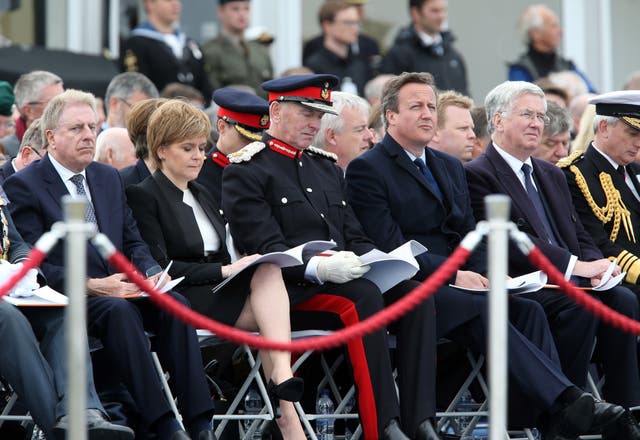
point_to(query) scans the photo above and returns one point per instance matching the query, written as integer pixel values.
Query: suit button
(309, 190)
(300, 163)
(344, 203)
(284, 200)
(322, 215)
(221, 212)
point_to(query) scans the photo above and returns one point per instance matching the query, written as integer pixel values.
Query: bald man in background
(114, 148)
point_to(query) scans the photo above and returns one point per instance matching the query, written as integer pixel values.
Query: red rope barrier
(36, 257)
(585, 300)
(339, 337)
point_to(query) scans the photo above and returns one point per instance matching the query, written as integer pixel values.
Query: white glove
(340, 267)
(25, 287)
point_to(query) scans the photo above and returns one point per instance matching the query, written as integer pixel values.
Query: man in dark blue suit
(402, 190)
(542, 207)
(34, 358)
(69, 124)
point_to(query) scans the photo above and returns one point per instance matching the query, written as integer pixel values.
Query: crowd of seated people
(272, 165)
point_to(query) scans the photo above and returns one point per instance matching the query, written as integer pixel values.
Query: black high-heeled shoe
(290, 390)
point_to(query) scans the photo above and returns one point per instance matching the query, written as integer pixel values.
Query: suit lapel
(513, 188)
(603, 165)
(438, 169)
(211, 211)
(403, 161)
(183, 214)
(632, 169)
(55, 186)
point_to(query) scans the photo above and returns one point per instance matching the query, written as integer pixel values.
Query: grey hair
(610, 120)
(341, 100)
(33, 137)
(559, 120)
(126, 84)
(51, 116)
(531, 19)
(502, 97)
(373, 88)
(30, 85)
(569, 81)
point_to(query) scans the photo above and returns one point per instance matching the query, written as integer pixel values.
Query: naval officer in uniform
(604, 181)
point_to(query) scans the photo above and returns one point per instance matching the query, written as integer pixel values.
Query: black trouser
(342, 305)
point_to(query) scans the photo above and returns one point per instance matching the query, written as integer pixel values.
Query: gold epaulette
(570, 159)
(615, 210)
(246, 153)
(321, 152)
(630, 264)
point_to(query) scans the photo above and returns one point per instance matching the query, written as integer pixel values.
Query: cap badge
(324, 94)
(264, 120)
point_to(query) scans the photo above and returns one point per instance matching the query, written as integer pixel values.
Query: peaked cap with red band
(248, 113)
(313, 91)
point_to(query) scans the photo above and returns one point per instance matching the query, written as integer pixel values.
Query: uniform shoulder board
(246, 153)
(574, 157)
(320, 152)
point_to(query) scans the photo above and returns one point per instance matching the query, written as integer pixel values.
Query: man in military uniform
(280, 193)
(242, 117)
(604, 181)
(163, 53)
(229, 58)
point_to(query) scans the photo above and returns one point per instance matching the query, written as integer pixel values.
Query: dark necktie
(90, 215)
(426, 172)
(536, 200)
(622, 172)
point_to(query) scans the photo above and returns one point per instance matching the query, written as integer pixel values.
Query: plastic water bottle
(252, 406)
(348, 86)
(464, 405)
(324, 427)
(351, 403)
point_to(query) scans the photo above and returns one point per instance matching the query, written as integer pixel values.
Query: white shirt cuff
(311, 271)
(570, 266)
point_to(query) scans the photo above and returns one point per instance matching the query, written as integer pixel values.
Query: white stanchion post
(76, 327)
(497, 208)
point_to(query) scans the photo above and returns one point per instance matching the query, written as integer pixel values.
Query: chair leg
(165, 387)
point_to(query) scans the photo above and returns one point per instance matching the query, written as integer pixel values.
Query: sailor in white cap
(604, 181)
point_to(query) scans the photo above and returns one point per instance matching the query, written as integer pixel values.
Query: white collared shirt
(428, 40)
(516, 166)
(208, 233)
(66, 175)
(627, 177)
(423, 157)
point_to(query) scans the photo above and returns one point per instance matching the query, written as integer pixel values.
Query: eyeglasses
(127, 103)
(530, 116)
(36, 103)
